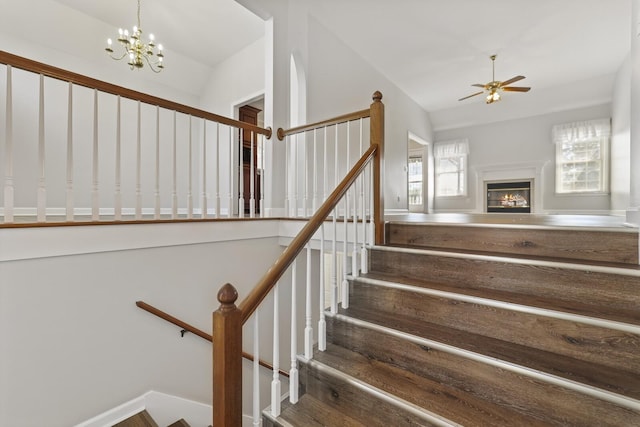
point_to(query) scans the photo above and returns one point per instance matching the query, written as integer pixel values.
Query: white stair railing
(129, 155)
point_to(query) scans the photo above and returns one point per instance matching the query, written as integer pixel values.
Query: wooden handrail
(202, 334)
(268, 281)
(81, 80)
(334, 121)
(229, 318)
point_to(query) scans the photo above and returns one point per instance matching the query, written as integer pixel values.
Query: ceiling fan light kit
(494, 87)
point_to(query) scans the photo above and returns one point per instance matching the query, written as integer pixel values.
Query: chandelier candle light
(136, 50)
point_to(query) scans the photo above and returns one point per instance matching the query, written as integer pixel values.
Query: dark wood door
(249, 114)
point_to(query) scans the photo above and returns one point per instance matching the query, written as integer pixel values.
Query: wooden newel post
(377, 138)
(227, 360)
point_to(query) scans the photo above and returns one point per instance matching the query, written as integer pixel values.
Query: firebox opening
(512, 197)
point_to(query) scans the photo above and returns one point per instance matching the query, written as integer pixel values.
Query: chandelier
(137, 51)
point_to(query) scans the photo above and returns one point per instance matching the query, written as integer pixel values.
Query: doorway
(417, 175)
(251, 173)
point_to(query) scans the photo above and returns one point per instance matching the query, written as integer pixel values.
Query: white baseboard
(163, 408)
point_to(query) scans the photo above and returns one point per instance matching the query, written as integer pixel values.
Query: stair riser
(580, 341)
(587, 245)
(615, 291)
(529, 396)
(349, 399)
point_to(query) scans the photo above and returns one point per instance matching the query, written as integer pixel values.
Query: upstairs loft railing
(78, 149)
(359, 196)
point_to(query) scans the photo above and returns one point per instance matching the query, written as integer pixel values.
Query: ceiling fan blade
(475, 94)
(479, 85)
(511, 80)
(516, 89)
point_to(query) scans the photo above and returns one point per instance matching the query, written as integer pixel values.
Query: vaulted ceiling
(569, 50)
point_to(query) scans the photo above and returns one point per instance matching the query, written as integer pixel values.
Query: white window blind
(451, 167)
(582, 156)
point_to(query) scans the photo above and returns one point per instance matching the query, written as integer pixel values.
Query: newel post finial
(377, 96)
(227, 360)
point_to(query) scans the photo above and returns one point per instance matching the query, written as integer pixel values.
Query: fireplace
(511, 197)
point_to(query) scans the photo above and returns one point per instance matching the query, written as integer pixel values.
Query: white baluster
(372, 225)
(241, 175)
(305, 181)
(156, 214)
(190, 180)
(262, 175)
(334, 262)
(315, 175)
(322, 324)
(276, 387)
(252, 177)
(345, 283)
(8, 152)
(95, 196)
(287, 165)
(217, 170)
(293, 372)
(203, 194)
(335, 167)
(325, 174)
(174, 190)
(139, 166)
(117, 198)
(69, 192)
(295, 177)
(42, 183)
(354, 251)
(308, 330)
(364, 269)
(231, 169)
(256, 369)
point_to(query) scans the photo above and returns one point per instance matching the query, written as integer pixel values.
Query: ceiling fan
(494, 87)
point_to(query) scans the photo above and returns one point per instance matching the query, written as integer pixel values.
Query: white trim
(163, 408)
(27, 243)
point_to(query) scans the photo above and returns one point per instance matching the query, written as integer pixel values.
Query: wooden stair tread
(521, 256)
(311, 412)
(180, 423)
(601, 246)
(568, 306)
(141, 419)
(619, 381)
(447, 401)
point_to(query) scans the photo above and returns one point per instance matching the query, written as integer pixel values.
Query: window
(415, 180)
(582, 156)
(451, 167)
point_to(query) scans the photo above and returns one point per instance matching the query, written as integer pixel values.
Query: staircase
(482, 326)
(143, 419)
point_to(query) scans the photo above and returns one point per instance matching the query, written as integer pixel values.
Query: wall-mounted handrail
(81, 80)
(199, 332)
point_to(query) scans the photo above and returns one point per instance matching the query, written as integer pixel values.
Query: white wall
(237, 79)
(621, 139)
(521, 144)
(341, 81)
(74, 344)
